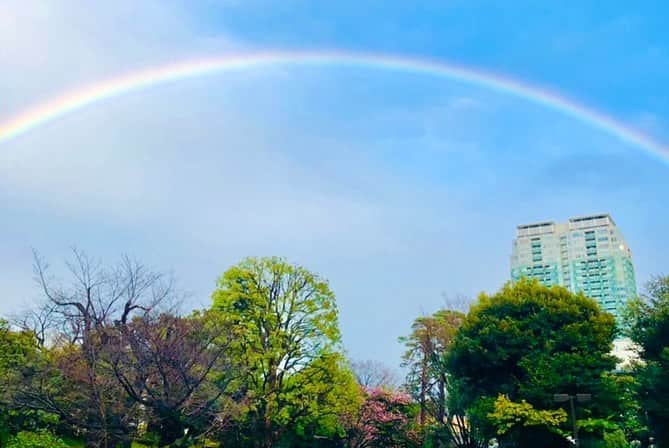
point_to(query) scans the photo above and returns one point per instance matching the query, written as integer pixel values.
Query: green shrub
(41, 439)
(600, 433)
(615, 439)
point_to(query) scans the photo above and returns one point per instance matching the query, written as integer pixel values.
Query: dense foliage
(287, 339)
(648, 322)
(106, 361)
(39, 439)
(18, 358)
(385, 419)
(529, 342)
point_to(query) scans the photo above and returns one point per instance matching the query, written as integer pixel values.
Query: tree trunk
(267, 429)
(171, 429)
(441, 411)
(423, 392)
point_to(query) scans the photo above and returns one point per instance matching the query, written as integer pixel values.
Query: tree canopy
(106, 360)
(648, 323)
(529, 342)
(287, 336)
(425, 358)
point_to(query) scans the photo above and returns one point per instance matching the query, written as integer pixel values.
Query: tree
(601, 433)
(530, 341)
(374, 374)
(427, 346)
(178, 368)
(326, 391)
(42, 321)
(383, 421)
(648, 323)
(286, 323)
(632, 421)
(79, 386)
(64, 384)
(19, 356)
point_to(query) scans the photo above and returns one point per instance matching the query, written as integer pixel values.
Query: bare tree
(456, 302)
(372, 374)
(93, 301)
(99, 296)
(41, 320)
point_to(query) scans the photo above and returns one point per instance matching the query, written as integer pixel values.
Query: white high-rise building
(586, 254)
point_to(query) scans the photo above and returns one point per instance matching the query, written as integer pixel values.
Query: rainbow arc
(35, 116)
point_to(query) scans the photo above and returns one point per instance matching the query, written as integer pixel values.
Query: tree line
(108, 359)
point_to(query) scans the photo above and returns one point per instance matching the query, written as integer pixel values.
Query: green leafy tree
(21, 359)
(14, 348)
(528, 342)
(324, 391)
(648, 323)
(286, 325)
(632, 420)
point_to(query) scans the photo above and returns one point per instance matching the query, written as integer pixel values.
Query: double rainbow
(39, 114)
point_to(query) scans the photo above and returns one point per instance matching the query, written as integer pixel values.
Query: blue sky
(398, 188)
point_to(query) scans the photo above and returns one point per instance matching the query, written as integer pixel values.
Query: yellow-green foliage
(41, 439)
(509, 415)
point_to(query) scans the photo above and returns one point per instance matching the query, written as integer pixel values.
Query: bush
(615, 439)
(41, 439)
(600, 433)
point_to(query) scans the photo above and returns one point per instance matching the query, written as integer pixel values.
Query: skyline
(395, 186)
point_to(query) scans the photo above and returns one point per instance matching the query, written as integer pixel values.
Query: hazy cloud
(396, 188)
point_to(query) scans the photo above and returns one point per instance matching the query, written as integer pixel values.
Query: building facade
(586, 254)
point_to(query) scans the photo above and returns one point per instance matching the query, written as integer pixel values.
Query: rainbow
(68, 102)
